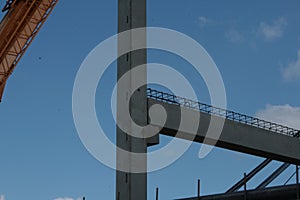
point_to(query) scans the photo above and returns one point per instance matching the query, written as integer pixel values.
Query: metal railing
(230, 115)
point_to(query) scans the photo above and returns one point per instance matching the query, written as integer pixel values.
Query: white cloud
(204, 21)
(2, 197)
(234, 36)
(292, 71)
(281, 114)
(274, 30)
(65, 198)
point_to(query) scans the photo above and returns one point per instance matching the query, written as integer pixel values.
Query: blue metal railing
(230, 115)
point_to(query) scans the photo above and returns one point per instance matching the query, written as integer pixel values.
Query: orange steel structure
(20, 25)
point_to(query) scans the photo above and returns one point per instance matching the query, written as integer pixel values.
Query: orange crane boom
(18, 28)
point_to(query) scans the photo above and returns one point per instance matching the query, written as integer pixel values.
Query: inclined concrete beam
(235, 136)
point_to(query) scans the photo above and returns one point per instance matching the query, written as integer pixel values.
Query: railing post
(245, 186)
(297, 182)
(198, 190)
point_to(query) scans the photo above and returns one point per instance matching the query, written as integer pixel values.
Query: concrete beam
(235, 136)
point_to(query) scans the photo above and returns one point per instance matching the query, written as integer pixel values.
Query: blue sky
(255, 44)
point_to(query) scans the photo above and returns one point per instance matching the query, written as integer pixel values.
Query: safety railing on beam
(230, 115)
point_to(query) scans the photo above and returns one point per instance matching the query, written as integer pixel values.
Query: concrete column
(132, 186)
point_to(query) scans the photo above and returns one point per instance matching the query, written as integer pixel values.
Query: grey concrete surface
(235, 136)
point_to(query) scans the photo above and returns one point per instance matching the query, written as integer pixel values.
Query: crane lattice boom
(18, 28)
